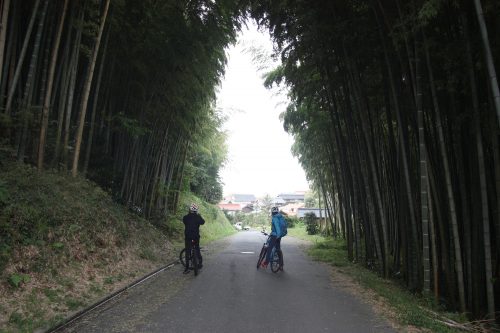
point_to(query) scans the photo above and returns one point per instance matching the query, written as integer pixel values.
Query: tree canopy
(393, 114)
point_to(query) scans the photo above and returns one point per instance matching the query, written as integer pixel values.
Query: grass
(216, 224)
(64, 243)
(409, 309)
(299, 231)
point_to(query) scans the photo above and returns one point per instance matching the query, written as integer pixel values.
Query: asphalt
(231, 295)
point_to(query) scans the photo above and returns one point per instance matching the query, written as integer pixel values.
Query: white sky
(260, 160)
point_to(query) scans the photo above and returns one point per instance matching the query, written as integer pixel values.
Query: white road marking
(247, 252)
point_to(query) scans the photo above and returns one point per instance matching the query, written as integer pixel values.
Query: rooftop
(229, 207)
(287, 196)
(316, 211)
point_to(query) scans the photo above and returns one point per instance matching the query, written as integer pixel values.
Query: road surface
(231, 295)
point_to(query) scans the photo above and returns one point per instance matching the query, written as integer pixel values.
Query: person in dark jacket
(192, 222)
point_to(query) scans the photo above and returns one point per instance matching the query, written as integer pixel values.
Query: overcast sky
(260, 160)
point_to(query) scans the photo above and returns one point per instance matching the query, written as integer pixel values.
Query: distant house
(230, 208)
(291, 209)
(297, 197)
(242, 199)
(278, 201)
(248, 208)
(301, 212)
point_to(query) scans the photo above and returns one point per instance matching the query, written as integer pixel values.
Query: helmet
(275, 210)
(193, 208)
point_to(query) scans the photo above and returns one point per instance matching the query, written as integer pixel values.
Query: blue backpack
(283, 225)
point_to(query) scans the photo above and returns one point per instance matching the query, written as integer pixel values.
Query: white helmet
(193, 208)
(275, 210)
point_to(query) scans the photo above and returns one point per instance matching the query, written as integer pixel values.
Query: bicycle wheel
(275, 261)
(262, 255)
(194, 260)
(182, 257)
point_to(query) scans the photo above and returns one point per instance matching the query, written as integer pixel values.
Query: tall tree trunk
(29, 86)
(489, 58)
(3, 33)
(447, 173)
(10, 95)
(423, 173)
(435, 259)
(482, 178)
(496, 213)
(8, 66)
(72, 84)
(48, 95)
(403, 144)
(94, 106)
(86, 91)
(486, 222)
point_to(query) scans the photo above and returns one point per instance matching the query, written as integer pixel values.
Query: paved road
(230, 295)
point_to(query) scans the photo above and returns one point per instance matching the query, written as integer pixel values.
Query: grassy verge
(64, 243)
(216, 224)
(299, 231)
(407, 309)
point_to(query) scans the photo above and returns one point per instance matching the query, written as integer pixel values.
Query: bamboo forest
(393, 106)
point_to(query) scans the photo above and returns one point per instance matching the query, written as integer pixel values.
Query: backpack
(283, 226)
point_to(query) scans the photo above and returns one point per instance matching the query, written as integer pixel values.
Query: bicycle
(193, 256)
(276, 256)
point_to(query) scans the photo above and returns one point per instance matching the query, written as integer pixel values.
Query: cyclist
(192, 222)
(277, 221)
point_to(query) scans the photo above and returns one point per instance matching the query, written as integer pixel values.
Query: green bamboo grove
(395, 121)
(394, 109)
(119, 91)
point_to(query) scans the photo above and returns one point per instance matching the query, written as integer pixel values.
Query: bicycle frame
(192, 257)
(276, 257)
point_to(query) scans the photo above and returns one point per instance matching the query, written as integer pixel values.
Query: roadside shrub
(291, 221)
(229, 217)
(16, 280)
(312, 226)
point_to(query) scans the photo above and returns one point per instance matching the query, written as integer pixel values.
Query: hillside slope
(64, 243)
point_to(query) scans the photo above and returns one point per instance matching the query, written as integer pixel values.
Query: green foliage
(5, 120)
(147, 253)
(311, 199)
(429, 10)
(206, 159)
(216, 224)
(16, 318)
(16, 280)
(266, 204)
(74, 304)
(131, 126)
(260, 219)
(357, 84)
(332, 251)
(52, 294)
(58, 246)
(292, 221)
(312, 226)
(229, 217)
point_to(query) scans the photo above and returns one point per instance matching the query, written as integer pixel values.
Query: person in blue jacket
(276, 234)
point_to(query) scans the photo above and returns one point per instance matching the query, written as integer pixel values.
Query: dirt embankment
(64, 244)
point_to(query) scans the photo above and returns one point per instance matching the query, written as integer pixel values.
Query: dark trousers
(273, 242)
(188, 243)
